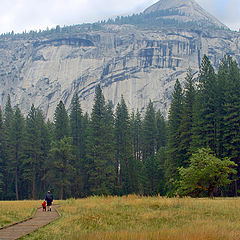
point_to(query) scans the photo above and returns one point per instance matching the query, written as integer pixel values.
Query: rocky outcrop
(125, 60)
(185, 11)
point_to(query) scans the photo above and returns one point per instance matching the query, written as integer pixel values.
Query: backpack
(49, 197)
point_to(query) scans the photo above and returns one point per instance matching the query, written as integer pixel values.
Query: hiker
(44, 206)
(49, 199)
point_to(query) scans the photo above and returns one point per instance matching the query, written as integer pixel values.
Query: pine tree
(187, 117)
(61, 122)
(8, 117)
(205, 120)
(161, 128)
(149, 132)
(136, 161)
(30, 163)
(62, 158)
(222, 82)
(2, 156)
(136, 131)
(84, 165)
(160, 157)
(109, 147)
(160, 160)
(8, 114)
(144, 182)
(76, 119)
(45, 146)
(77, 134)
(152, 173)
(174, 156)
(16, 147)
(36, 151)
(124, 151)
(231, 132)
(61, 168)
(100, 171)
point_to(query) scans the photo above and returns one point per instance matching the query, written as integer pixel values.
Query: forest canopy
(114, 152)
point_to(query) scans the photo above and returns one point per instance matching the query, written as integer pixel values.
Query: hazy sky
(20, 15)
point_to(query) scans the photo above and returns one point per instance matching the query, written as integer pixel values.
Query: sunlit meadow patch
(144, 218)
(13, 211)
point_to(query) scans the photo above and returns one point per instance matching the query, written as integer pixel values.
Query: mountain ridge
(138, 63)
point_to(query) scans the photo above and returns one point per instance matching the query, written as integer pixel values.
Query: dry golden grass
(144, 218)
(13, 211)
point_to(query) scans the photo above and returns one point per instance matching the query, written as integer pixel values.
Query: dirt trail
(21, 229)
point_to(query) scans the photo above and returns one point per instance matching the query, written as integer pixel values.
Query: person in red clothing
(44, 206)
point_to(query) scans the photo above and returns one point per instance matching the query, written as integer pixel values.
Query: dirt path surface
(21, 229)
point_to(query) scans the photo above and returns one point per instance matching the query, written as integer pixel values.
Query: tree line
(114, 152)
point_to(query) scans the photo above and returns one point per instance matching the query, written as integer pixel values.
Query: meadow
(143, 218)
(14, 211)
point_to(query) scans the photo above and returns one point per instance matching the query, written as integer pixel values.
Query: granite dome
(186, 11)
(138, 62)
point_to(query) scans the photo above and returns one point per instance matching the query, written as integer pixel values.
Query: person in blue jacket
(49, 199)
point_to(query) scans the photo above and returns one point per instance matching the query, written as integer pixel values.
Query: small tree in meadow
(205, 174)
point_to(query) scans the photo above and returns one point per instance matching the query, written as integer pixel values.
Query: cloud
(227, 11)
(20, 15)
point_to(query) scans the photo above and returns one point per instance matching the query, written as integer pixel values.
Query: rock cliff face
(140, 64)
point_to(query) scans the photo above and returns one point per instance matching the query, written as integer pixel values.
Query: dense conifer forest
(117, 152)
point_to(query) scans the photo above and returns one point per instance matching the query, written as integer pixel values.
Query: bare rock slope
(186, 11)
(138, 62)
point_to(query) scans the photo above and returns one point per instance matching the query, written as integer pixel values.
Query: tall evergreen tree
(32, 151)
(109, 146)
(160, 157)
(205, 120)
(161, 128)
(2, 156)
(144, 182)
(61, 152)
(45, 146)
(8, 114)
(61, 122)
(160, 160)
(136, 131)
(76, 120)
(62, 157)
(16, 147)
(187, 117)
(8, 117)
(84, 165)
(123, 148)
(231, 132)
(136, 163)
(151, 169)
(149, 135)
(37, 145)
(174, 156)
(100, 172)
(221, 88)
(77, 134)
(149, 132)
